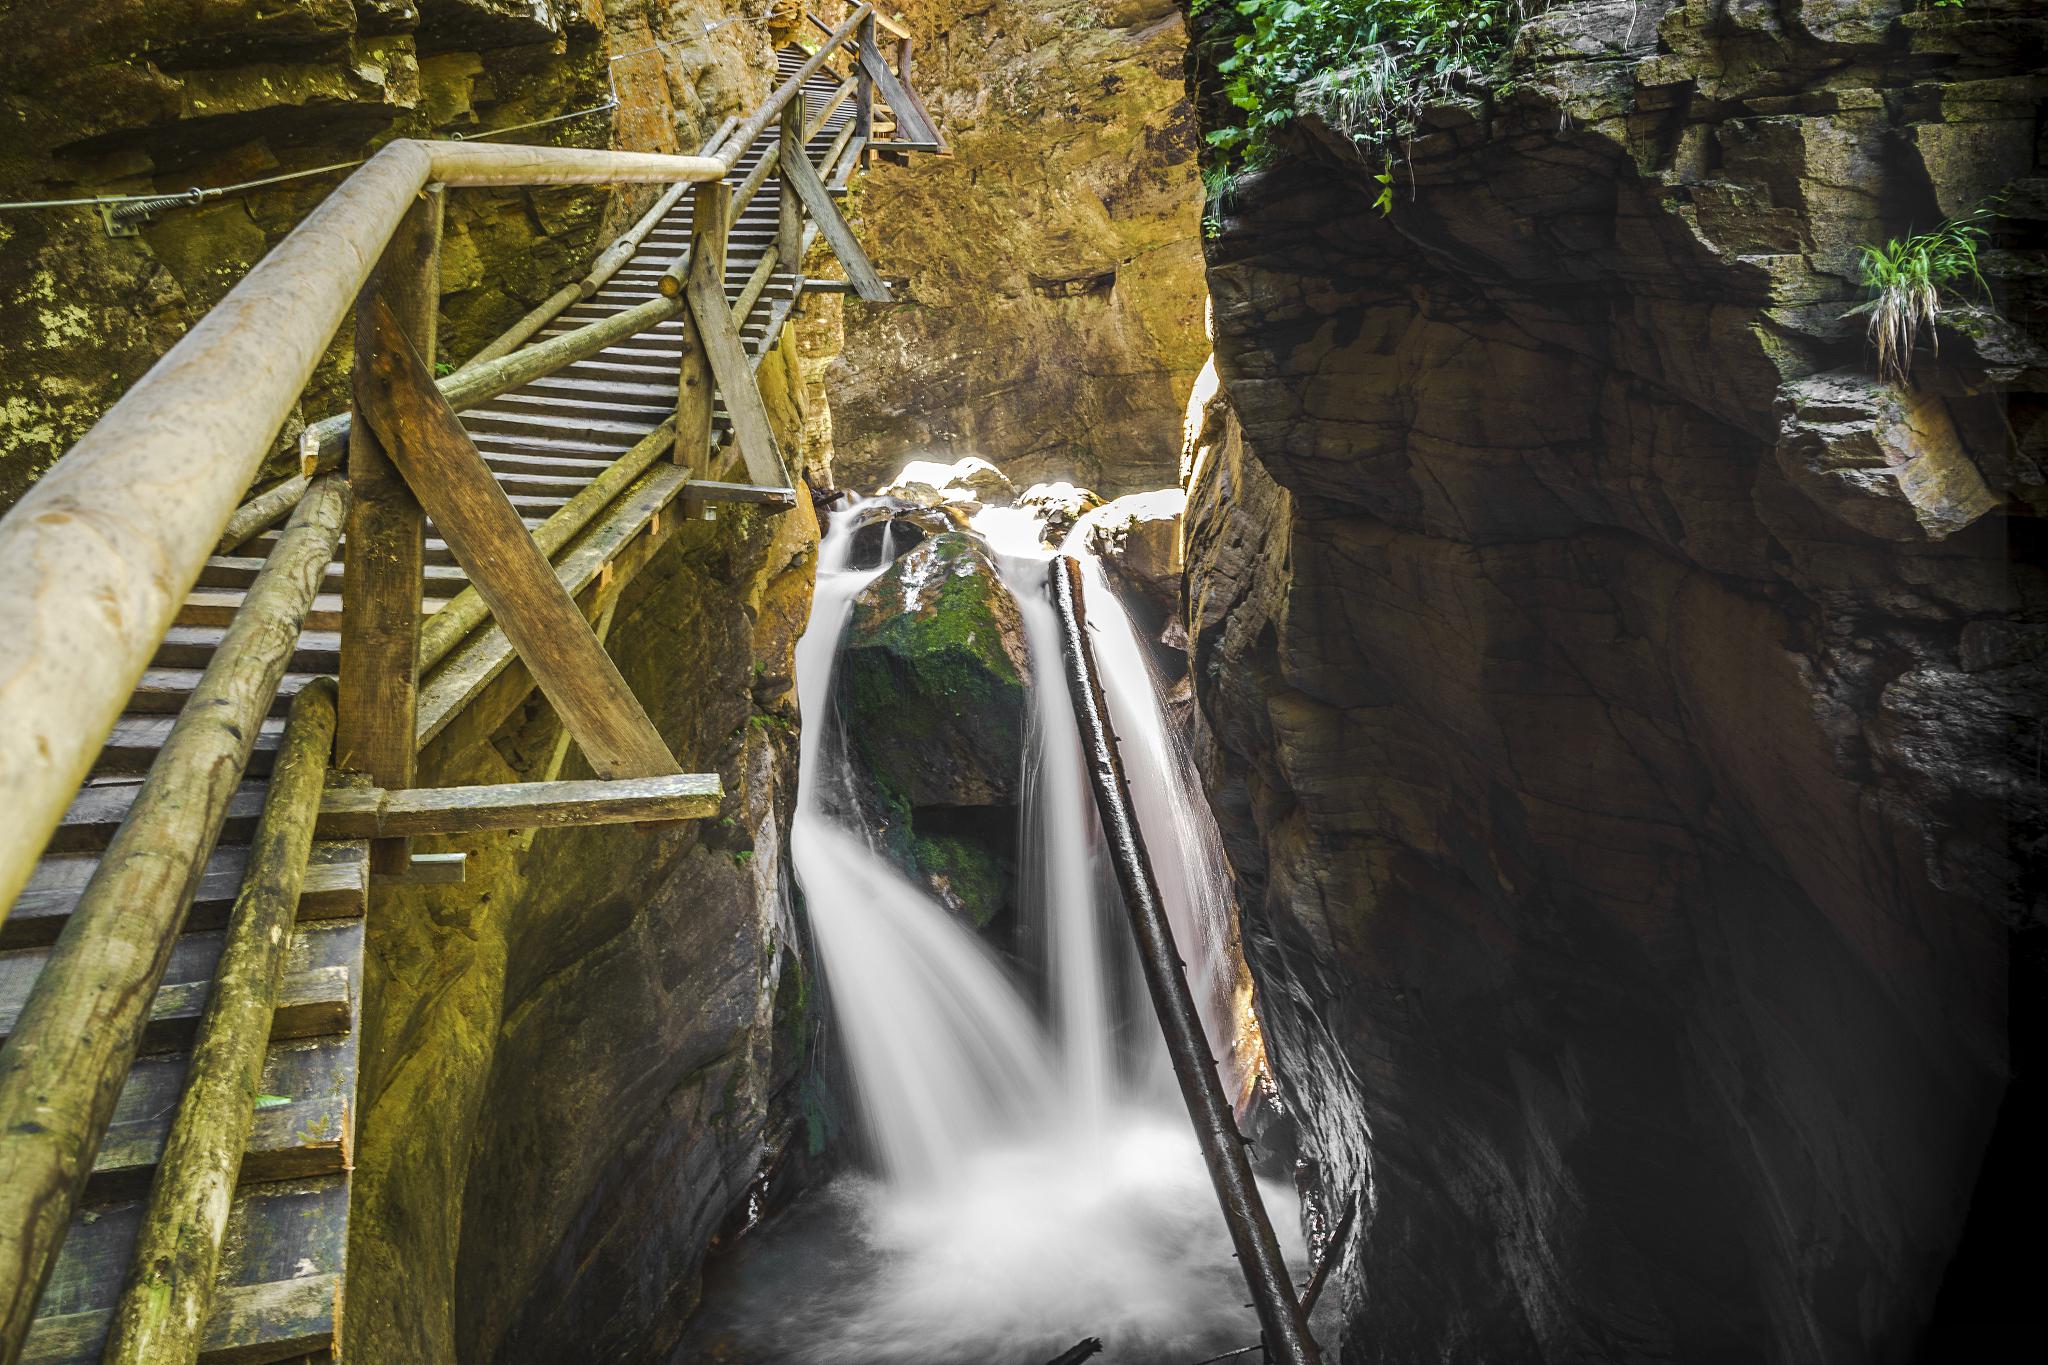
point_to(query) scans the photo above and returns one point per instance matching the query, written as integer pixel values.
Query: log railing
(97, 556)
(96, 560)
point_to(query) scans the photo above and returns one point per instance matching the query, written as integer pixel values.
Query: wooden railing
(97, 558)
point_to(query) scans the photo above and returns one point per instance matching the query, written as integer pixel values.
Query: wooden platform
(281, 1285)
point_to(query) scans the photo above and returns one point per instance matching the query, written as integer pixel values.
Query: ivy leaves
(1393, 53)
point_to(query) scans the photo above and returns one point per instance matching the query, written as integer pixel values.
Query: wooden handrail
(97, 557)
(162, 1312)
(83, 1023)
(758, 122)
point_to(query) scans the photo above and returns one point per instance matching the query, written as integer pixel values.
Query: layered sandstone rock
(1619, 705)
(1053, 316)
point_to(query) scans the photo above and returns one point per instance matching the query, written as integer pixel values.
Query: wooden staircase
(280, 1286)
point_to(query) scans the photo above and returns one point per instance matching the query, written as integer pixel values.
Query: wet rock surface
(1639, 856)
(1137, 538)
(932, 689)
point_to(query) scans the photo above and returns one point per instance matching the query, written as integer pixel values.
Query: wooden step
(98, 810)
(512, 461)
(280, 1295)
(505, 442)
(239, 571)
(636, 388)
(133, 744)
(318, 651)
(217, 607)
(337, 887)
(303, 1125)
(556, 407)
(547, 485)
(313, 1002)
(496, 418)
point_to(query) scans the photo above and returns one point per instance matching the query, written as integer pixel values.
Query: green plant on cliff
(1906, 277)
(1370, 63)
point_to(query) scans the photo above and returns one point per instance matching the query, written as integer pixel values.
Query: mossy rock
(966, 875)
(931, 681)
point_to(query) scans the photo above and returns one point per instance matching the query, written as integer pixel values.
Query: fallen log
(1281, 1322)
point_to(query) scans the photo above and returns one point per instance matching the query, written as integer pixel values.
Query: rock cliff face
(1622, 709)
(1054, 312)
(158, 96)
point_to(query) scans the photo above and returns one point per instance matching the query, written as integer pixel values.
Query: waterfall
(1038, 1180)
(944, 1050)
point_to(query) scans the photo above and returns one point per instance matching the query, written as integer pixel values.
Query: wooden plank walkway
(280, 1288)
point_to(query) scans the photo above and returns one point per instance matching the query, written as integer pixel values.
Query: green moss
(966, 869)
(929, 689)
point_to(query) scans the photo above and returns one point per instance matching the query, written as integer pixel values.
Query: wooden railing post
(864, 96)
(710, 224)
(789, 228)
(384, 572)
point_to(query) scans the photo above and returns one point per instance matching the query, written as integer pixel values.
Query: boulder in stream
(932, 688)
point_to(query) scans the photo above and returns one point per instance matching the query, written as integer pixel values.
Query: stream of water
(1036, 1179)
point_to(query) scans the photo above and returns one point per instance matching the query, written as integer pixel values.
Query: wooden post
(384, 574)
(719, 336)
(864, 96)
(471, 512)
(789, 228)
(710, 224)
(79, 1031)
(162, 1313)
(800, 175)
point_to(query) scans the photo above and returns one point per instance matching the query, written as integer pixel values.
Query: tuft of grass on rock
(1907, 277)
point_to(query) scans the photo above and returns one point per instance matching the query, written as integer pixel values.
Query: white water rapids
(1039, 1181)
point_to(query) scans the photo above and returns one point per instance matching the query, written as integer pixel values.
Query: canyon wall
(1052, 321)
(1623, 710)
(160, 96)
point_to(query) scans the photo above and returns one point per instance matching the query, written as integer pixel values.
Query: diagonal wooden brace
(711, 321)
(422, 436)
(798, 172)
(913, 124)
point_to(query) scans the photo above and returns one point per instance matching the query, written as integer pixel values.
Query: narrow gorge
(1310, 680)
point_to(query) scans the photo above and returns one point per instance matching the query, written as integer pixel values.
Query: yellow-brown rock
(1053, 322)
